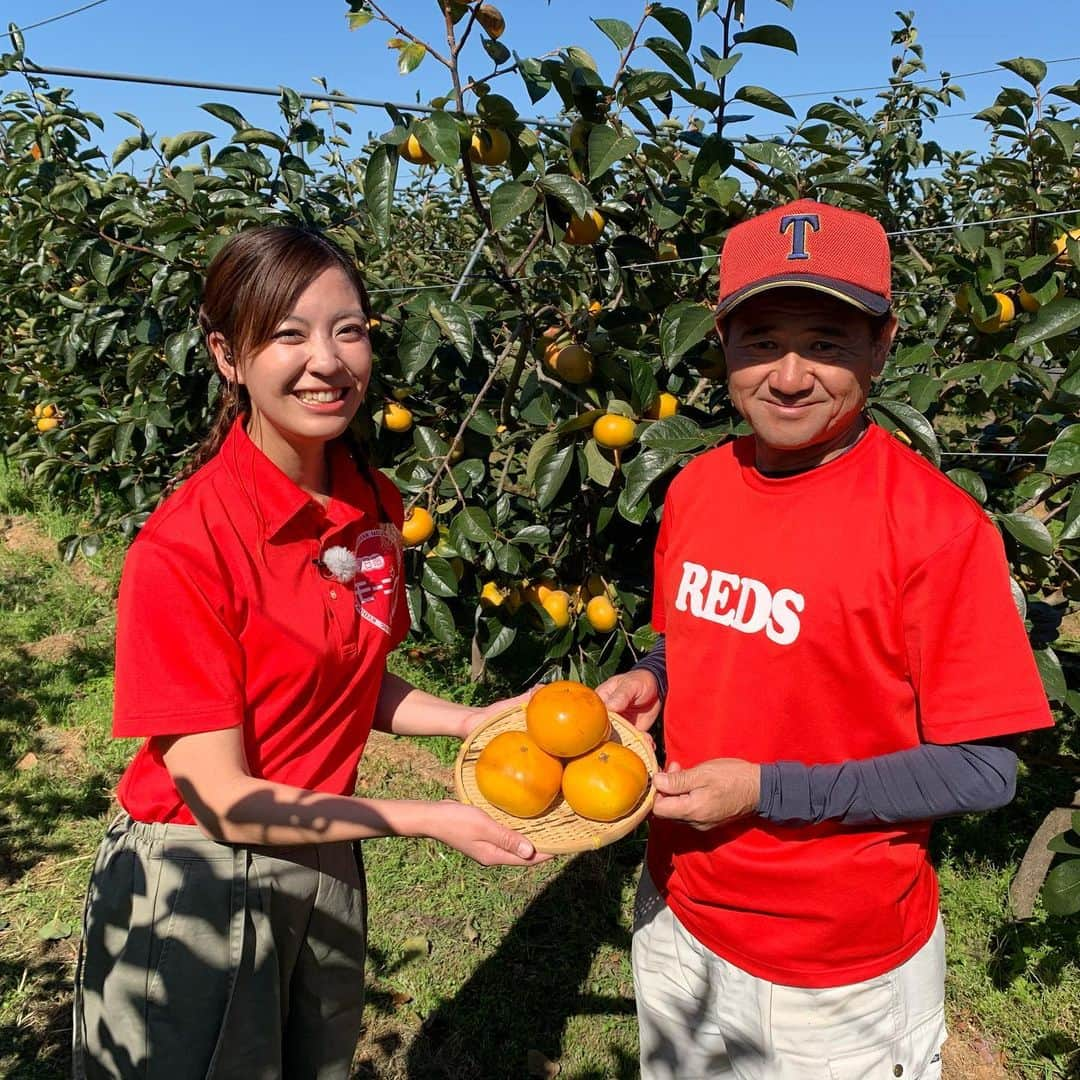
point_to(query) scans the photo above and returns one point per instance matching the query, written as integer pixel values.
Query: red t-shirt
(854, 610)
(225, 619)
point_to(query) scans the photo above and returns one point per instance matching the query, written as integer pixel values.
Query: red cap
(808, 245)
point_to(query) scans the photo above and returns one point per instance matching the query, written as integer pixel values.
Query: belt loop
(238, 905)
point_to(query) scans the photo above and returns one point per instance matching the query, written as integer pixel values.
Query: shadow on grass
(35, 1042)
(31, 690)
(521, 998)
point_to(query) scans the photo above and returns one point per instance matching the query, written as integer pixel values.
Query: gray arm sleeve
(925, 782)
(655, 661)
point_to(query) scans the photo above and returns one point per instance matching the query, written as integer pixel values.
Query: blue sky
(842, 43)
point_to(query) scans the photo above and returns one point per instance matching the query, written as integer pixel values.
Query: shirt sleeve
(655, 662)
(968, 655)
(919, 784)
(179, 667)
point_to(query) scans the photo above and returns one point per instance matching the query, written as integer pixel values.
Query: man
(839, 639)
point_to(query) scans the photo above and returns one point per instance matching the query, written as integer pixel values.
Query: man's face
(799, 366)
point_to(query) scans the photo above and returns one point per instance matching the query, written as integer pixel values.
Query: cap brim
(866, 301)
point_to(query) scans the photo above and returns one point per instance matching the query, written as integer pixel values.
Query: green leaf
(913, 423)
(499, 642)
(970, 481)
(1064, 132)
(1050, 321)
(764, 99)
(126, 148)
(538, 453)
(1029, 531)
(1071, 92)
(226, 113)
(606, 147)
(473, 524)
(1031, 71)
(1064, 456)
(776, 36)
(567, 191)
(418, 342)
(380, 178)
(359, 19)
(601, 470)
(454, 322)
(719, 67)
(533, 535)
(55, 930)
(994, 374)
(618, 32)
(640, 473)
(176, 145)
(675, 22)
(439, 620)
(509, 201)
(551, 474)
(438, 577)
(646, 84)
(773, 155)
(675, 58)
(1053, 677)
(1063, 845)
(1061, 890)
(440, 136)
(682, 326)
(410, 57)
(676, 434)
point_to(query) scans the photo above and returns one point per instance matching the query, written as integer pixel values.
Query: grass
(472, 972)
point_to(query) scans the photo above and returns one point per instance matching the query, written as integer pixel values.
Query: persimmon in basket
(515, 775)
(605, 784)
(567, 719)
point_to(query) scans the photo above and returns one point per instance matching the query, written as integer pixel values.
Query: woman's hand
(470, 831)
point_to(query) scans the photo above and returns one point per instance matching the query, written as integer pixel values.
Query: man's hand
(708, 794)
(634, 695)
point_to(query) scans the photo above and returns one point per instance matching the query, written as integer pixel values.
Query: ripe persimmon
(515, 775)
(567, 718)
(605, 784)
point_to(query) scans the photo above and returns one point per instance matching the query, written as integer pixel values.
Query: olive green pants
(202, 959)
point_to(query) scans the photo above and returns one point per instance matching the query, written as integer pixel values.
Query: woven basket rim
(558, 831)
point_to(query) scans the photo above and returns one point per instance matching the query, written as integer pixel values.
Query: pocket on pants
(915, 1055)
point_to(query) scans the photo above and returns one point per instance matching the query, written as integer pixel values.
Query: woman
(225, 923)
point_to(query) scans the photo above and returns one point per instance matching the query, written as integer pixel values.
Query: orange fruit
(417, 527)
(613, 431)
(413, 152)
(1028, 301)
(573, 364)
(491, 596)
(602, 614)
(489, 146)
(517, 776)
(1059, 247)
(664, 406)
(557, 605)
(47, 423)
(605, 784)
(584, 230)
(567, 718)
(667, 251)
(397, 417)
(1005, 313)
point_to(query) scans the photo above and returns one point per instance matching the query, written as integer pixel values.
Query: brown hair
(251, 286)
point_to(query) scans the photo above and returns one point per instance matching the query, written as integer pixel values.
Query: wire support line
(946, 76)
(57, 18)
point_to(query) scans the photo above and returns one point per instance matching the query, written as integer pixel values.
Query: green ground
(474, 973)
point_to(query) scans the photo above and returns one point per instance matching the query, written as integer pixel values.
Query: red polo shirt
(226, 619)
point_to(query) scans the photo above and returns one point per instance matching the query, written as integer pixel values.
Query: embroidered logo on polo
(799, 224)
(378, 571)
(741, 603)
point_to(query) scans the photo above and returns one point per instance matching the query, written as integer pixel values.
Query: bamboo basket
(557, 831)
